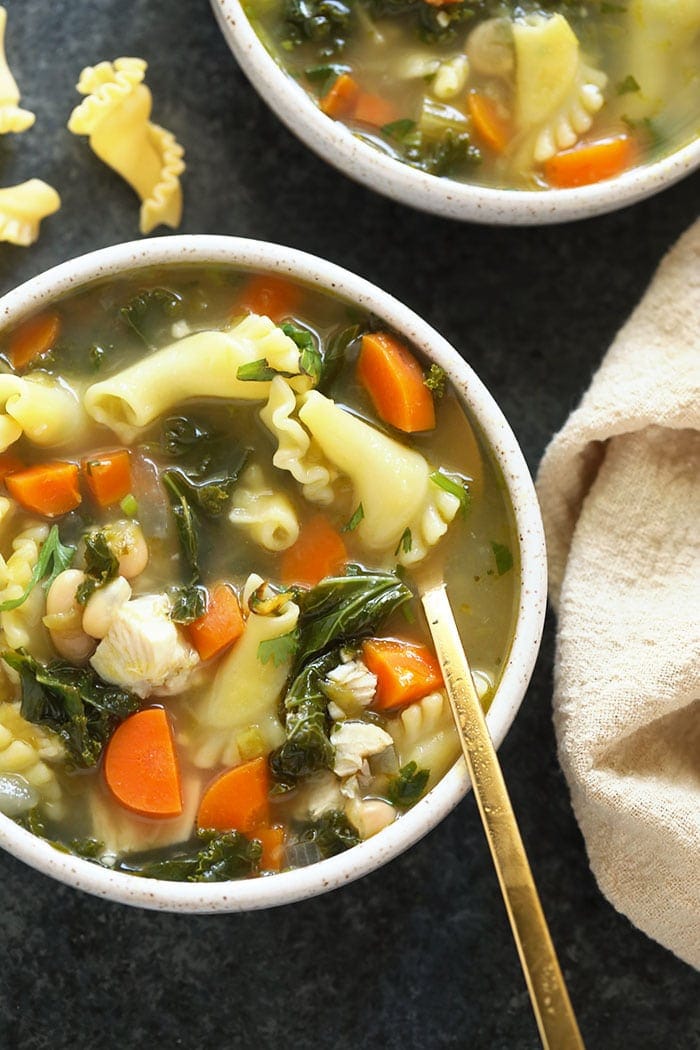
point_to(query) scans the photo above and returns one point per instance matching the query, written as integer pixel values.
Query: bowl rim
(334, 142)
(286, 887)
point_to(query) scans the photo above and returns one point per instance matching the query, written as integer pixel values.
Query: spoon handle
(548, 993)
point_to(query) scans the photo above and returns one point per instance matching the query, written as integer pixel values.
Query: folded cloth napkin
(620, 494)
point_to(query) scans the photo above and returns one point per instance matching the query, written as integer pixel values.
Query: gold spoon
(548, 993)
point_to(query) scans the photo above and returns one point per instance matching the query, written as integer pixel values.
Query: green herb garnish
(332, 833)
(436, 379)
(503, 556)
(279, 649)
(355, 520)
(101, 565)
(408, 786)
(310, 358)
(405, 543)
(456, 485)
(54, 557)
(627, 86)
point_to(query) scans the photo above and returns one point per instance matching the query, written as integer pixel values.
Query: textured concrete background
(419, 954)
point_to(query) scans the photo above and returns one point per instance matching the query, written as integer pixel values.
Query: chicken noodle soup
(531, 95)
(218, 489)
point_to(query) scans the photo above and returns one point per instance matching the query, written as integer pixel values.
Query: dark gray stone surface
(419, 954)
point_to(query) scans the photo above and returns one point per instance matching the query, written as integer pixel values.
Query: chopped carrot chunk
(341, 97)
(275, 297)
(318, 552)
(221, 625)
(272, 841)
(238, 799)
(493, 130)
(590, 162)
(374, 110)
(108, 476)
(34, 337)
(49, 489)
(141, 767)
(394, 380)
(405, 672)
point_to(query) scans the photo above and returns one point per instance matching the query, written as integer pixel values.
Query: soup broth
(215, 663)
(523, 96)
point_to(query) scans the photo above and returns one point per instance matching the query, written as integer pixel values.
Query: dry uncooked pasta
(22, 208)
(12, 117)
(115, 115)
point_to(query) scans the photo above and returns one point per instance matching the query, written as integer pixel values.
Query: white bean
(127, 542)
(370, 815)
(490, 48)
(103, 604)
(69, 639)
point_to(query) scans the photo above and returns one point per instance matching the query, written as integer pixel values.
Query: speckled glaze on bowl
(328, 874)
(334, 142)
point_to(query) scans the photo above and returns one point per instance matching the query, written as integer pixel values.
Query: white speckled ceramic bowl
(334, 142)
(328, 874)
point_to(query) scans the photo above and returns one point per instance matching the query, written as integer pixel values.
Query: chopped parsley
(408, 786)
(436, 379)
(279, 649)
(53, 558)
(355, 520)
(405, 544)
(456, 485)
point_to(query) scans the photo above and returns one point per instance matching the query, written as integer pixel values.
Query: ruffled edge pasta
(22, 207)
(12, 117)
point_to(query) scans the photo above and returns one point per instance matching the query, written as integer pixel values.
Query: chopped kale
(503, 556)
(72, 701)
(307, 747)
(332, 833)
(188, 603)
(185, 522)
(148, 312)
(181, 435)
(213, 857)
(408, 786)
(325, 22)
(335, 351)
(54, 557)
(449, 153)
(101, 565)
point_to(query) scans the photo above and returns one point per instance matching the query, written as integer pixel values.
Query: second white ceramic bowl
(334, 142)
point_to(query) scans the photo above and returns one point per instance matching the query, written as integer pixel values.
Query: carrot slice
(373, 109)
(34, 337)
(108, 476)
(272, 841)
(49, 489)
(341, 97)
(221, 625)
(589, 162)
(9, 464)
(405, 672)
(489, 125)
(275, 297)
(318, 552)
(393, 379)
(141, 767)
(238, 799)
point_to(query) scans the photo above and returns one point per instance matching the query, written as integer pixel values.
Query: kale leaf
(307, 747)
(213, 857)
(324, 22)
(101, 565)
(188, 603)
(407, 787)
(148, 312)
(333, 833)
(53, 558)
(185, 523)
(72, 701)
(450, 153)
(343, 608)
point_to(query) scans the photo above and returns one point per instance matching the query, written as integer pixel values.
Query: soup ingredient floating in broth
(499, 93)
(213, 663)
(116, 117)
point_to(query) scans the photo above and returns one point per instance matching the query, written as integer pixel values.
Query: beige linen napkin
(620, 494)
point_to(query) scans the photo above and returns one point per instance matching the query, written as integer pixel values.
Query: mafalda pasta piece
(661, 53)
(116, 115)
(201, 365)
(556, 92)
(12, 118)
(22, 208)
(45, 410)
(265, 513)
(22, 628)
(404, 511)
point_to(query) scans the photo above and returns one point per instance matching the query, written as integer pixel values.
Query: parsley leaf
(279, 649)
(355, 520)
(436, 379)
(310, 358)
(54, 557)
(405, 543)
